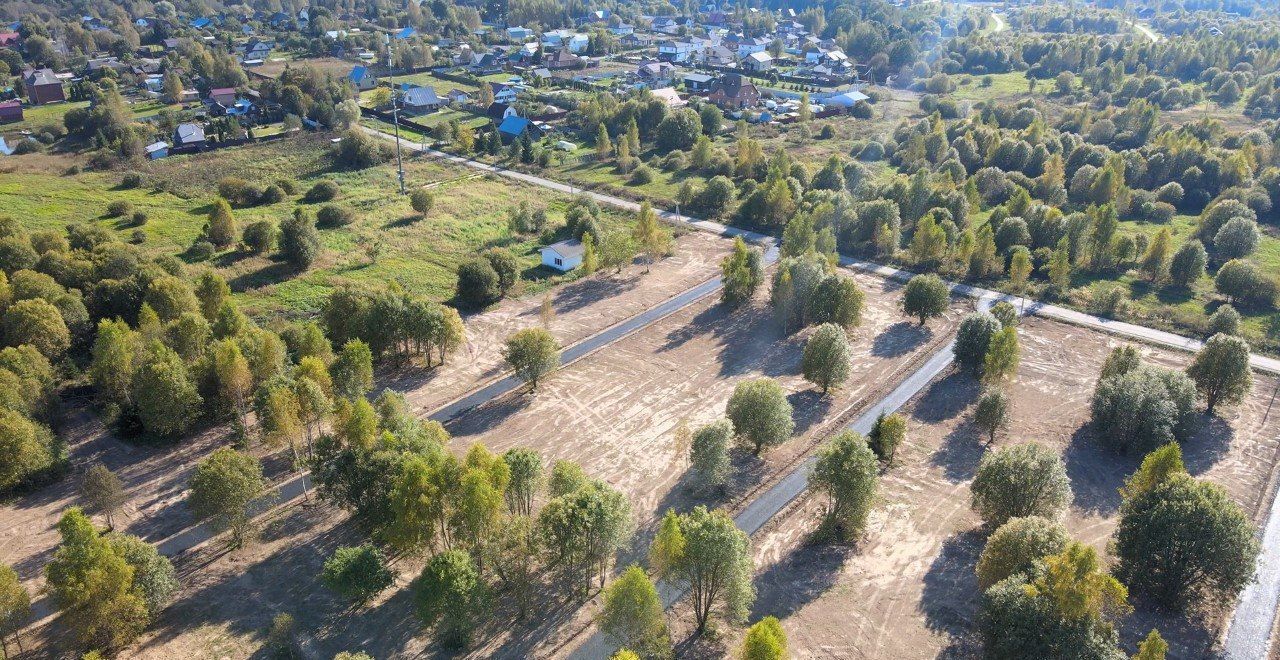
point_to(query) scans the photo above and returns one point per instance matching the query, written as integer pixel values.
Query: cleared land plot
(155, 477)
(908, 589)
(327, 65)
(613, 411)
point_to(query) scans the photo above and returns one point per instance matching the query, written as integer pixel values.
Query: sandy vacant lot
(614, 411)
(908, 590)
(582, 308)
(155, 477)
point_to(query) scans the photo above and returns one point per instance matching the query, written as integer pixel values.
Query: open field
(614, 411)
(275, 66)
(34, 117)
(908, 589)
(470, 214)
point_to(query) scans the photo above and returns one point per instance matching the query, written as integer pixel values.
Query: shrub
(1016, 546)
(131, 180)
(478, 283)
(332, 215)
(119, 208)
(201, 250)
(272, 194)
(421, 201)
(139, 219)
(322, 191)
(1018, 481)
(259, 237)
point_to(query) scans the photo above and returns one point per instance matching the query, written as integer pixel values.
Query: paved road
(1146, 31)
(1255, 614)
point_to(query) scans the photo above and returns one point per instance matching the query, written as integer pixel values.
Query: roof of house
(514, 125)
(43, 77)
(496, 110)
(222, 91)
(761, 57)
(670, 97)
(570, 249)
(421, 96)
(157, 146)
(697, 77)
(185, 133)
(732, 86)
(456, 93)
(405, 33)
(358, 73)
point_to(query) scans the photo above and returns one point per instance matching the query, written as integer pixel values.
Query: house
(513, 127)
(257, 49)
(223, 96)
(10, 111)
(201, 23)
(718, 56)
(500, 112)
(656, 71)
(157, 150)
(44, 87)
(504, 93)
(518, 33)
(458, 96)
(9, 39)
(113, 63)
(562, 59)
(758, 62)
(734, 93)
(698, 82)
(574, 41)
(189, 137)
(669, 96)
(418, 100)
(622, 30)
(675, 51)
(844, 99)
(484, 63)
(170, 44)
(404, 33)
(362, 78)
(754, 45)
(563, 256)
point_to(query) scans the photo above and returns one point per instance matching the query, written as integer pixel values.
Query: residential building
(561, 59)
(519, 33)
(513, 127)
(189, 137)
(677, 52)
(362, 78)
(563, 256)
(418, 100)
(224, 96)
(10, 111)
(734, 92)
(758, 62)
(43, 86)
(698, 82)
(157, 150)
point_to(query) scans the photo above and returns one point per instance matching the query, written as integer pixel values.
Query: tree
(1243, 282)
(1221, 371)
(223, 486)
(1064, 607)
(667, 549)
(36, 322)
(233, 376)
(972, 340)
(836, 299)
(1015, 547)
(352, 370)
(992, 412)
(566, 477)
(478, 283)
(582, 530)
(765, 640)
(1159, 466)
(15, 608)
(632, 614)
(450, 595)
(165, 397)
(1155, 262)
(154, 580)
(760, 413)
(590, 261)
(650, 235)
(1003, 355)
(512, 553)
(1060, 268)
(709, 453)
(299, 240)
(741, 272)
(1152, 648)
(1143, 408)
(1224, 320)
(887, 434)
(506, 266)
(845, 471)
(1185, 542)
(1019, 481)
(357, 573)
(103, 491)
(928, 243)
(713, 561)
(531, 353)
(26, 448)
(1237, 238)
(421, 201)
(604, 148)
(525, 467)
(1188, 263)
(925, 297)
(115, 356)
(712, 119)
(826, 357)
(678, 130)
(212, 291)
(93, 587)
(222, 227)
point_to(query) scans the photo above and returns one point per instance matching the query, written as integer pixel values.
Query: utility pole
(395, 114)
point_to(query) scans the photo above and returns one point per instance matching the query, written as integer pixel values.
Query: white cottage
(563, 256)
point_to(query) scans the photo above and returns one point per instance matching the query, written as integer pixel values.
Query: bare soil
(614, 411)
(908, 590)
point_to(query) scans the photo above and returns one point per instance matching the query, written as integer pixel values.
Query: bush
(1016, 546)
(478, 283)
(322, 191)
(119, 208)
(358, 573)
(288, 186)
(131, 180)
(332, 215)
(272, 194)
(259, 237)
(238, 192)
(421, 201)
(973, 338)
(1019, 481)
(873, 151)
(201, 250)
(1143, 408)
(139, 219)
(356, 150)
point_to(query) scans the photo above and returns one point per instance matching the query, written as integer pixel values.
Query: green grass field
(421, 254)
(33, 117)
